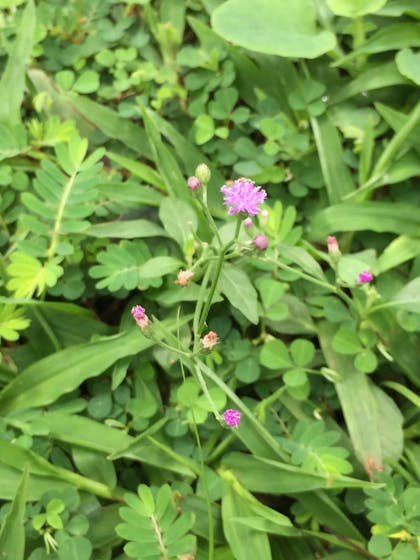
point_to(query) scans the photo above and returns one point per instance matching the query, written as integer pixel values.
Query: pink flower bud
(139, 315)
(184, 276)
(247, 222)
(261, 242)
(209, 341)
(365, 277)
(232, 417)
(193, 183)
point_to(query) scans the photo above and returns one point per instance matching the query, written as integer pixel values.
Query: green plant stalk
(388, 154)
(48, 330)
(205, 482)
(326, 285)
(204, 388)
(259, 428)
(213, 286)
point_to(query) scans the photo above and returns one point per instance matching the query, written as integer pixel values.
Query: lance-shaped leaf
(282, 28)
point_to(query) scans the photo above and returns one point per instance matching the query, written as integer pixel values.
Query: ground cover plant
(210, 279)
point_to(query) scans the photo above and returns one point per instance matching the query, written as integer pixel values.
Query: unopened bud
(261, 242)
(139, 315)
(184, 277)
(247, 222)
(193, 183)
(209, 341)
(203, 173)
(333, 248)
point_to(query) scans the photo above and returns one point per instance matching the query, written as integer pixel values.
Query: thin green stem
(259, 428)
(48, 330)
(204, 475)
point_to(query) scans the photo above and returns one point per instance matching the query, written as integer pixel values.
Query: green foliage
(106, 109)
(153, 526)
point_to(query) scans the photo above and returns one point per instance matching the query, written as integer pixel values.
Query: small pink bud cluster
(184, 277)
(232, 417)
(365, 277)
(139, 315)
(209, 341)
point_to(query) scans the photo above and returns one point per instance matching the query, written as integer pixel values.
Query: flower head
(243, 196)
(232, 417)
(193, 183)
(139, 315)
(260, 242)
(209, 341)
(184, 276)
(365, 277)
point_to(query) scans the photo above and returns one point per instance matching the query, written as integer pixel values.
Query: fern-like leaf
(12, 320)
(154, 527)
(130, 265)
(29, 275)
(313, 449)
(64, 194)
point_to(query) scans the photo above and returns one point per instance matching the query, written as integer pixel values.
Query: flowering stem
(259, 428)
(327, 285)
(205, 390)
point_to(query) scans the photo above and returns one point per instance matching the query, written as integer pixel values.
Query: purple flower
(193, 183)
(261, 242)
(365, 277)
(243, 196)
(232, 417)
(139, 315)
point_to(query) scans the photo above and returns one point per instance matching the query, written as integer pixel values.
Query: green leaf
(408, 63)
(270, 290)
(126, 266)
(395, 217)
(140, 170)
(379, 546)
(153, 526)
(274, 355)
(178, 218)
(390, 37)
(302, 351)
(126, 229)
(46, 380)
(400, 250)
(95, 436)
(12, 83)
(236, 286)
(273, 27)
(355, 8)
(76, 548)
(87, 82)
(243, 541)
(302, 258)
(12, 320)
(366, 361)
(409, 297)
(372, 418)
(165, 160)
(267, 476)
(346, 341)
(337, 177)
(204, 129)
(29, 275)
(12, 533)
